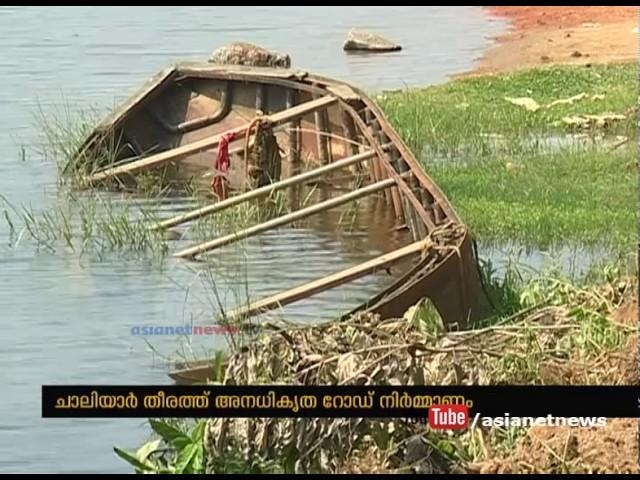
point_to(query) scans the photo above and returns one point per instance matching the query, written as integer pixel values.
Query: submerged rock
(242, 53)
(369, 42)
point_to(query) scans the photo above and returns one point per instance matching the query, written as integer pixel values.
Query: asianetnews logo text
(456, 417)
(186, 330)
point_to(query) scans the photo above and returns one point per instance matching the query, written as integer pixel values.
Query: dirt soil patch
(561, 35)
(609, 449)
(612, 449)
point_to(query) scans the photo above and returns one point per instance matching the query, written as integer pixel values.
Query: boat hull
(177, 123)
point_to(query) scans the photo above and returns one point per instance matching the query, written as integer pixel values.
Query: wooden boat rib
(321, 125)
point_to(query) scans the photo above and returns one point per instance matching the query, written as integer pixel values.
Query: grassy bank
(457, 116)
(586, 197)
(530, 173)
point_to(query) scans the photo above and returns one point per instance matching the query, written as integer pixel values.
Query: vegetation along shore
(543, 158)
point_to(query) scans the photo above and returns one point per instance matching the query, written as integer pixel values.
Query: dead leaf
(605, 118)
(347, 366)
(527, 102)
(510, 166)
(311, 359)
(567, 101)
(593, 120)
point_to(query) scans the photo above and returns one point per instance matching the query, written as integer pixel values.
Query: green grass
(492, 161)
(455, 117)
(85, 225)
(63, 131)
(544, 201)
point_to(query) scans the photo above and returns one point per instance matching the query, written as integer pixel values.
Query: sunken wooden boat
(282, 128)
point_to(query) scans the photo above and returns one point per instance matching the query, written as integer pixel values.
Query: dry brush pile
(564, 335)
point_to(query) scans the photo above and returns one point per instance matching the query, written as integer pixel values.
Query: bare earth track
(561, 35)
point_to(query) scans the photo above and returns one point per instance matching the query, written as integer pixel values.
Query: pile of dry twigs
(570, 337)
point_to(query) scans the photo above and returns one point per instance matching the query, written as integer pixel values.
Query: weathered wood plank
(262, 191)
(326, 283)
(285, 219)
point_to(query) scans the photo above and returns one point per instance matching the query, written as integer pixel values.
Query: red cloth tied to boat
(221, 166)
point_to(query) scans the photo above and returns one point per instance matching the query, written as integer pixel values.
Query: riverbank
(542, 36)
(543, 158)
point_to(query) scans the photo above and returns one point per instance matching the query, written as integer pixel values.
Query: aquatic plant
(64, 130)
(90, 224)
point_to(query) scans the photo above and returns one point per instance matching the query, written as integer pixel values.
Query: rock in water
(242, 53)
(369, 42)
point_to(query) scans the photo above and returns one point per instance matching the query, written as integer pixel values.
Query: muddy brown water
(68, 319)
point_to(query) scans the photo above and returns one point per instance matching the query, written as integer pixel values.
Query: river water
(67, 319)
